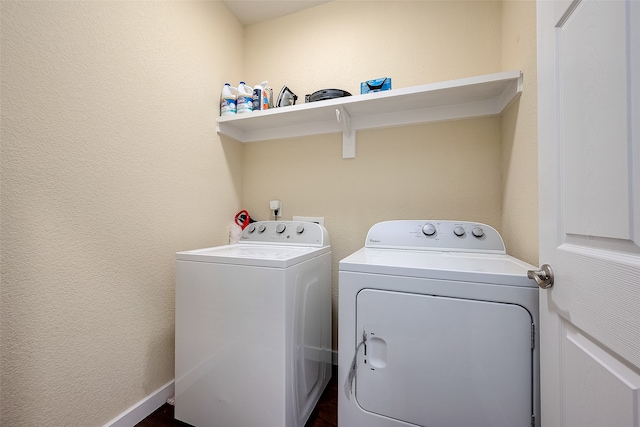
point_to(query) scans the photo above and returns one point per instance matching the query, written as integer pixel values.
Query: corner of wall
(519, 134)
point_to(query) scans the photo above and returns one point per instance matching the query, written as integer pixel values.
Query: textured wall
(345, 42)
(450, 170)
(520, 134)
(110, 164)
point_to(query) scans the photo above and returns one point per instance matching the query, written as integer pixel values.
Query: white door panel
(593, 76)
(608, 380)
(589, 175)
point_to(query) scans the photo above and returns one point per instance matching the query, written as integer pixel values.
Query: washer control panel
(285, 232)
(436, 235)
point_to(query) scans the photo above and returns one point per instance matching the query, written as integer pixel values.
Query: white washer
(253, 327)
(436, 328)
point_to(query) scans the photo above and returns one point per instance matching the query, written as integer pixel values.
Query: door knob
(543, 277)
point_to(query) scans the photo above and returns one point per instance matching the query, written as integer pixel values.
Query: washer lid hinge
(533, 336)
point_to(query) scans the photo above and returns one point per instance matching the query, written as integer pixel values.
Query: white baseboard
(149, 404)
(143, 408)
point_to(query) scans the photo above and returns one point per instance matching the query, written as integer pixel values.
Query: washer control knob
(280, 228)
(261, 228)
(429, 229)
(477, 232)
(458, 231)
(251, 228)
(300, 229)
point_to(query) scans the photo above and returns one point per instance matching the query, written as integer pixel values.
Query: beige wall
(342, 43)
(450, 170)
(110, 164)
(520, 134)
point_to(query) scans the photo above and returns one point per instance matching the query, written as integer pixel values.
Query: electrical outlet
(274, 205)
(316, 219)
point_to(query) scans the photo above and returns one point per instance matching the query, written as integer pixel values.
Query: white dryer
(436, 328)
(253, 327)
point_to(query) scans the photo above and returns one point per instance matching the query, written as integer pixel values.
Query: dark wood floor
(325, 414)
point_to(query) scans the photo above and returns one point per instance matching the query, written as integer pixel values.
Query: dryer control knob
(261, 228)
(280, 228)
(251, 228)
(458, 231)
(300, 229)
(429, 229)
(478, 232)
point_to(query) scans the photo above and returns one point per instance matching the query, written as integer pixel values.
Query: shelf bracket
(348, 134)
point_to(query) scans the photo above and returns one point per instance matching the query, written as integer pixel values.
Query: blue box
(376, 85)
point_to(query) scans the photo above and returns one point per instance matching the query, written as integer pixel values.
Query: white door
(589, 162)
(414, 370)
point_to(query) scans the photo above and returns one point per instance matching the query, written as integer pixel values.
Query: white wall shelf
(478, 96)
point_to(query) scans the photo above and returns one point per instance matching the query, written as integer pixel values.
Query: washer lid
(467, 267)
(253, 255)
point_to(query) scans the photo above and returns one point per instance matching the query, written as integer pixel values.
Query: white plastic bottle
(245, 98)
(228, 100)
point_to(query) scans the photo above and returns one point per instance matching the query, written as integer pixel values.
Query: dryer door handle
(543, 277)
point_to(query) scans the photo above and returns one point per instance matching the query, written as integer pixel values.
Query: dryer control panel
(298, 233)
(436, 235)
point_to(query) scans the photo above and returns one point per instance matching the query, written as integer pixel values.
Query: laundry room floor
(325, 414)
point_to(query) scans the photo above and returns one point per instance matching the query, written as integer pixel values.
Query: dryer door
(436, 361)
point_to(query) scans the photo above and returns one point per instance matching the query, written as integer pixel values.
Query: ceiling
(250, 12)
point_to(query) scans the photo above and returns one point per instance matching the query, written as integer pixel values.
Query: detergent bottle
(245, 98)
(228, 100)
(262, 97)
(258, 98)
